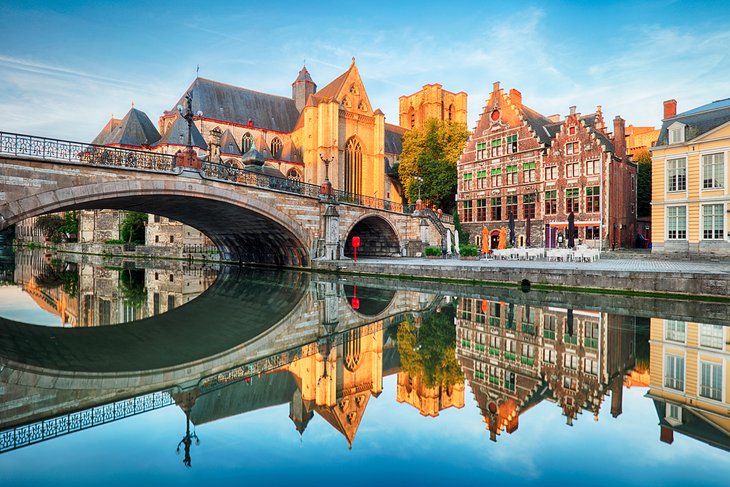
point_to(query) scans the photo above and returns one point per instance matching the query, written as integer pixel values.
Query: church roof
(265, 170)
(177, 134)
(229, 145)
(394, 138)
(304, 75)
(134, 130)
(253, 156)
(335, 86)
(110, 125)
(220, 101)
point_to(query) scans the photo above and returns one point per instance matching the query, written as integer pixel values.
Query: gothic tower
(302, 87)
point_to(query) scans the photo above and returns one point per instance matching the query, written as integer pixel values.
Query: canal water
(128, 372)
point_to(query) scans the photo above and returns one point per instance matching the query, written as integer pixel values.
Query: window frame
(676, 179)
(667, 229)
(715, 217)
(721, 164)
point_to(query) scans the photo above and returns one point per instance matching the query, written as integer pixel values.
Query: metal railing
(58, 150)
(28, 434)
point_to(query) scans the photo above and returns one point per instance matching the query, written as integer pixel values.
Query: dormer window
(571, 130)
(676, 133)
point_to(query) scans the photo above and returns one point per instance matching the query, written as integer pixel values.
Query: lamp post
(326, 187)
(187, 114)
(419, 180)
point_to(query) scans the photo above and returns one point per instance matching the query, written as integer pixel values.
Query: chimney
(516, 97)
(619, 137)
(666, 435)
(670, 108)
(495, 86)
(572, 110)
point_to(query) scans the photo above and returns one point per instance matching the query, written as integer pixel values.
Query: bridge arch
(245, 228)
(378, 237)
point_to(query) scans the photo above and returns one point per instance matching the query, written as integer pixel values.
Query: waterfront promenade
(637, 274)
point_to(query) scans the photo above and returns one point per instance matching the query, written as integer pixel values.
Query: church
(337, 123)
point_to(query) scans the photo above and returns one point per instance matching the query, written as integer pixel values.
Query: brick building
(540, 169)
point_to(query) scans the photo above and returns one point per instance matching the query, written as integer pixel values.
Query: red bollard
(355, 245)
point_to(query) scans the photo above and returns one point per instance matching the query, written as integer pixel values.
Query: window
(676, 134)
(353, 167)
(156, 303)
(713, 171)
(170, 302)
(592, 233)
(246, 142)
(673, 414)
(494, 345)
(711, 336)
(496, 209)
(172, 239)
(572, 170)
(479, 315)
(711, 381)
(512, 205)
(496, 145)
(481, 210)
(511, 144)
(528, 206)
(677, 175)
(509, 380)
(593, 167)
(528, 172)
(674, 372)
(468, 176)
(572, 200)
(551, 202)
(466, 307)
(511, 174)
(676, 222)
(495, 312)
(591, 366)
(551, 172)
(675, 331)
(571, 361)
(467, 215)
(571, 148)
(157, 218)
(549, 326)
(412, 114)
(157, 239)
(294, 175)
(593, 199)
(549, 355)
(713, 222)
(591, 334)
(482, 179)
(276, 148)
(496, 177)
(481, 151)
(528, 320)
(570, 383)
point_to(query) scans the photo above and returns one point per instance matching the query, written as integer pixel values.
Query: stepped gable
(229, 146)
(590, 122)
(134, 130)
(102, 137)
(177, 134)
(698, 121)
(228, 103)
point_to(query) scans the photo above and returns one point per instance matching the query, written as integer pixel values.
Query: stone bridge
(44, 369)
(251, 217)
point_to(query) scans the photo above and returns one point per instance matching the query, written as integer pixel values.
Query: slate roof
(220, 101)
(394, 138)
(253, 156)
(134, 130)
(177, 134)
(110, 125)
(538, 123)
(229, 145)
(335, 86)
(304, 75)
(698, 121)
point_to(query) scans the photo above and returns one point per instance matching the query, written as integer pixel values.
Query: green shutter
(496, 171)
(468, 176)
(528, 165)
(511, 169)
(496, 142)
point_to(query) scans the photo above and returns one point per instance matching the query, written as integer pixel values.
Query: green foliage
(429, 352)
(131, 230)
(643, 184)
(433, 251)
(468, 250)
(463, 234)
(57, 229)
(132, 285)
(115, 241)
(431, 153)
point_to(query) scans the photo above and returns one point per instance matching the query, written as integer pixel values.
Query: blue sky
(66, 66)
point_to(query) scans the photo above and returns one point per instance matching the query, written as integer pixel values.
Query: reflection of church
(516, 355)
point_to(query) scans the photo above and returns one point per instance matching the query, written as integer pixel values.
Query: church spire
(302, 87)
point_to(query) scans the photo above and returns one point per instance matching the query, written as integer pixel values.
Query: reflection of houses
(168, 289)
(514, 356)
(689, 373)
(428, 400)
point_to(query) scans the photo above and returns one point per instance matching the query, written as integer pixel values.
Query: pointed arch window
(294, 175)
(246, 142)
(353, 167)
(352, 350)
(276, 148)
(451, 113)
(412, 117)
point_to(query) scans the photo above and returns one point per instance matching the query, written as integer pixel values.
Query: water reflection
(320, 347)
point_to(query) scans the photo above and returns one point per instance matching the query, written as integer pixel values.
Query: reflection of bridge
(244, 316)
(251, 217)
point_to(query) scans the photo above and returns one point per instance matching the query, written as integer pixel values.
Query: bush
(469, 250)
(433, 251)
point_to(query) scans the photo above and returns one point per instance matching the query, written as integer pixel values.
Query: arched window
(451, 113)
(346, 102)
(352, 346)
(293, 174)
(412, 117)
(353, 167)
(276, 148)
(246, 142)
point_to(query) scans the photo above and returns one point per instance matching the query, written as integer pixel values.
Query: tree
(643, 184)
(431, 153)
(132, 285)
(57, 228)
(131, 230)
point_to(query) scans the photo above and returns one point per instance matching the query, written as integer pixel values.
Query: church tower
(302, 87)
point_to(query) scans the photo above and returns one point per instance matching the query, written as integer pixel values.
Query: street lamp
(326, 187)
(187, 114)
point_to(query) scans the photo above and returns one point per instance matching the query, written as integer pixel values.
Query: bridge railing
(58, 150)
(239, 175)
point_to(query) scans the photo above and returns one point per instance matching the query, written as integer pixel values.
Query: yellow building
(428, 400)
(689, 375)
(640, 139)
(690, 197)
(432, 101)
